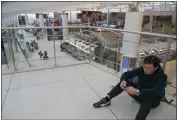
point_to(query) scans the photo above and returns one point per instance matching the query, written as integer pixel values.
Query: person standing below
(145, 84)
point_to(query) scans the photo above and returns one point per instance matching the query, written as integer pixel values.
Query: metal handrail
(104, 44)
(119, 30)
(116, 31)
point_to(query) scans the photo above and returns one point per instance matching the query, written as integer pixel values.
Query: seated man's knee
(155, 104)
(151, 99)
(150, 104)
(149, 96)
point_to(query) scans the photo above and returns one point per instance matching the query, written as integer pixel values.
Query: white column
(151, 22)
(70, 16)
(26, 19)
(107, 16)
(64, 23)
(131, 41)
(129, 48)
(17, 20)
(3, 21)
(14, 22)
(41, 20)
(37, 19)
(149, 25)
(174, 17)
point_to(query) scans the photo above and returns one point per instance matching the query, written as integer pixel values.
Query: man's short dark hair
(152, 59)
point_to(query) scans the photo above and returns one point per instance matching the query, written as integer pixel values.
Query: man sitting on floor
(145, 84)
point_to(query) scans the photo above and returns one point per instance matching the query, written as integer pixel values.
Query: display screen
(89, 16)
(125, 62)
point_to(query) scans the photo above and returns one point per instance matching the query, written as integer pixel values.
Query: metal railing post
(138, 56)
(54, 50)
(90, 44)
(118, 54)
(167, 52)
(12, 52)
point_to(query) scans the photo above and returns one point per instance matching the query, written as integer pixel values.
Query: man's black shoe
(101, 103)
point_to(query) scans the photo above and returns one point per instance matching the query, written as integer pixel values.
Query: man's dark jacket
(146, 83)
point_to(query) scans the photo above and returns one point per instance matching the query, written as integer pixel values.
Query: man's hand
(131, 90)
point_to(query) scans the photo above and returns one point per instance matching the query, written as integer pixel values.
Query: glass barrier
(39, 48)
(170, 67)
(7, 53)
(72, 49)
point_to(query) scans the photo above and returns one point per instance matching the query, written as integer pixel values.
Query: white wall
(73, 16)
(31, 18)
(174, 17)
(8, 20)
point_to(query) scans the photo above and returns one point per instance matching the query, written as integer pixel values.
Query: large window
(143, 7)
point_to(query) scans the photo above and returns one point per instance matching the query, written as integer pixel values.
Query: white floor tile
(106, 69)
(43, 76)
(70, 99)
(164, 111)
(102, 82)
(41, 64)
(6, 81)
(61, 54)
(103, 67)
(31, 103)
(68, 60)
(124, 107)
(6, 70)
(79, 103)
(3, 95)
(37, 64)
(87, 69)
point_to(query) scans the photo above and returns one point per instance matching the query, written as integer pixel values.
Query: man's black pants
(148, 100)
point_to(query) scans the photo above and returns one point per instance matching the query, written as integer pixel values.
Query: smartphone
(127, 84)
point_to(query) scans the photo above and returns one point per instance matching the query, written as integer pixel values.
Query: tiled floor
(68, 93)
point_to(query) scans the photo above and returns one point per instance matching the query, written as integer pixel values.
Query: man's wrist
(137, 92)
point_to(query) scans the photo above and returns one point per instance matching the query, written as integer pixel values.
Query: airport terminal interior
(58, 58)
